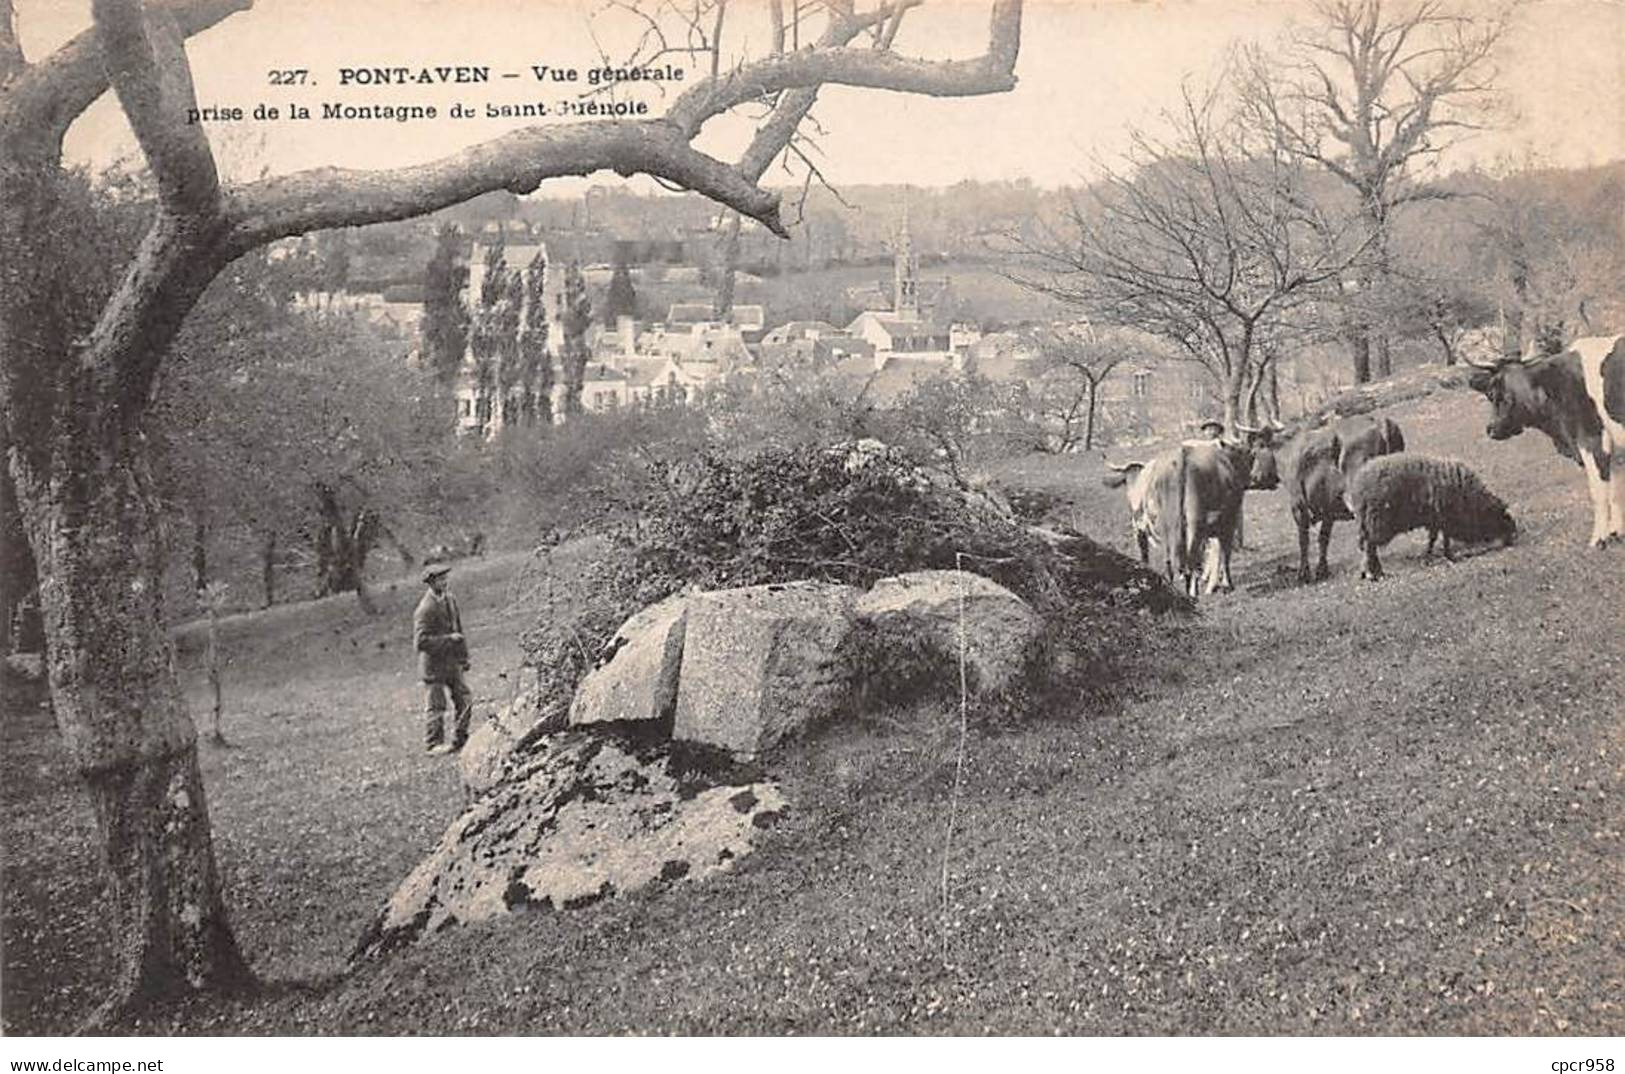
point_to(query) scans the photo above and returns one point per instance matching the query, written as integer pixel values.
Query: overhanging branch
(992, 72)
(337, 197)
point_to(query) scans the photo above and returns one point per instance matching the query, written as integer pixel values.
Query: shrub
(850, 514)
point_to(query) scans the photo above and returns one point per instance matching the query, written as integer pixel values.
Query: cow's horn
(1240, 428)
(1487, 365)
(1124, 467)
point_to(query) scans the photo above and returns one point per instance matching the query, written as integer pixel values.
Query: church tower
(905, 274)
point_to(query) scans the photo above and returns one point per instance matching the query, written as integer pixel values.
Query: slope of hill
(1346, 808)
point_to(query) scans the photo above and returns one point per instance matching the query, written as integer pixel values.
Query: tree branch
(49, 95)
(992, 72)
(11, 50)
(145, 59)
(520, 161)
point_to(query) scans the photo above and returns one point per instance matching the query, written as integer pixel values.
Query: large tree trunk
(97, 535)
(1360, 351)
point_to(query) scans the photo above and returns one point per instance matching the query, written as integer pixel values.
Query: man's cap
(1212, 426)
(435, 570)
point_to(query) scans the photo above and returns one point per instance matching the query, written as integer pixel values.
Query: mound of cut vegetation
(849, 514)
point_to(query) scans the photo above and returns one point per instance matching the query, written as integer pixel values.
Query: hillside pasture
(1347, 808)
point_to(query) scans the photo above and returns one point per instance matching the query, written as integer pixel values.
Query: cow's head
(1121, 474)
(1262, 472)
(1516, 399)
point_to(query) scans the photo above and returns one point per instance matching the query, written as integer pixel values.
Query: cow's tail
(1183, 530)
(1189, 512)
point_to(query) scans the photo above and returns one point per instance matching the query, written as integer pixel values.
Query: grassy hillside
(1347, 808)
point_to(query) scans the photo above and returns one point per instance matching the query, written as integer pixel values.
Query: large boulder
(587, 816)
(496, 743)
(999, 628)
(639, 682)
(762, 662)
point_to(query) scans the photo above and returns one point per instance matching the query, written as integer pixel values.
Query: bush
(851, 514)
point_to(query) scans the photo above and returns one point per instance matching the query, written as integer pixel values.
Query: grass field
(1347, 808)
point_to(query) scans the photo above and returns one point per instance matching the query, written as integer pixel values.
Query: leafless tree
(74, 397)
(1209, 238)
(1074, 361)
(1372, 93)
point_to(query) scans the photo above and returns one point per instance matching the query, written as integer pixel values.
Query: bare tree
(1074, 360)
(1372, 93)
(1210, 239)
(73, 396)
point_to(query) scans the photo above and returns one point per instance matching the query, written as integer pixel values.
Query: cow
(1190, 495)
(1318, 469)
(1134, 478)
(1577, 398)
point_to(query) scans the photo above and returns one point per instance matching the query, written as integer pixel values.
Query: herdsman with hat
(437, 635)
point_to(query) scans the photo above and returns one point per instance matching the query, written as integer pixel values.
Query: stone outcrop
(586, 817)
(639, 682)
(562, 817)
(494, 743)
(762, 662)
(999, 627)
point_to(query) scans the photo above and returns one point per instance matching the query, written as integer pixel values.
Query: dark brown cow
(1577, 398)
(1318, 469)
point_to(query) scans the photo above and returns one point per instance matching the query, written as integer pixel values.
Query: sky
(1088, 69)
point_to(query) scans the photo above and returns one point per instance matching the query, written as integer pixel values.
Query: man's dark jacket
(440, 656)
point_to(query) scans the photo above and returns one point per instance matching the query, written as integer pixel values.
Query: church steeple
(905, 274)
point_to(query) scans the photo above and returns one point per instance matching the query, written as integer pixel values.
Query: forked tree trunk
(342, 547)
(99, 540)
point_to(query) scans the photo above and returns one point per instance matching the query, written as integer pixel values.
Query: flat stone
(762, 662)
(586, 818)
(639, 683)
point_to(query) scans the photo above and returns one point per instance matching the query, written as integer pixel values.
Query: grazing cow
(1398, 493)
(1190, 495)
(1578, 399)
(1134, 478)
(1318, 471)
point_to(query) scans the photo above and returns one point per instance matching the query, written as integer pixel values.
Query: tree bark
(99, 538)
(1360, 352)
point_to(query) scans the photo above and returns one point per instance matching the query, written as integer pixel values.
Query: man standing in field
(437, 635)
